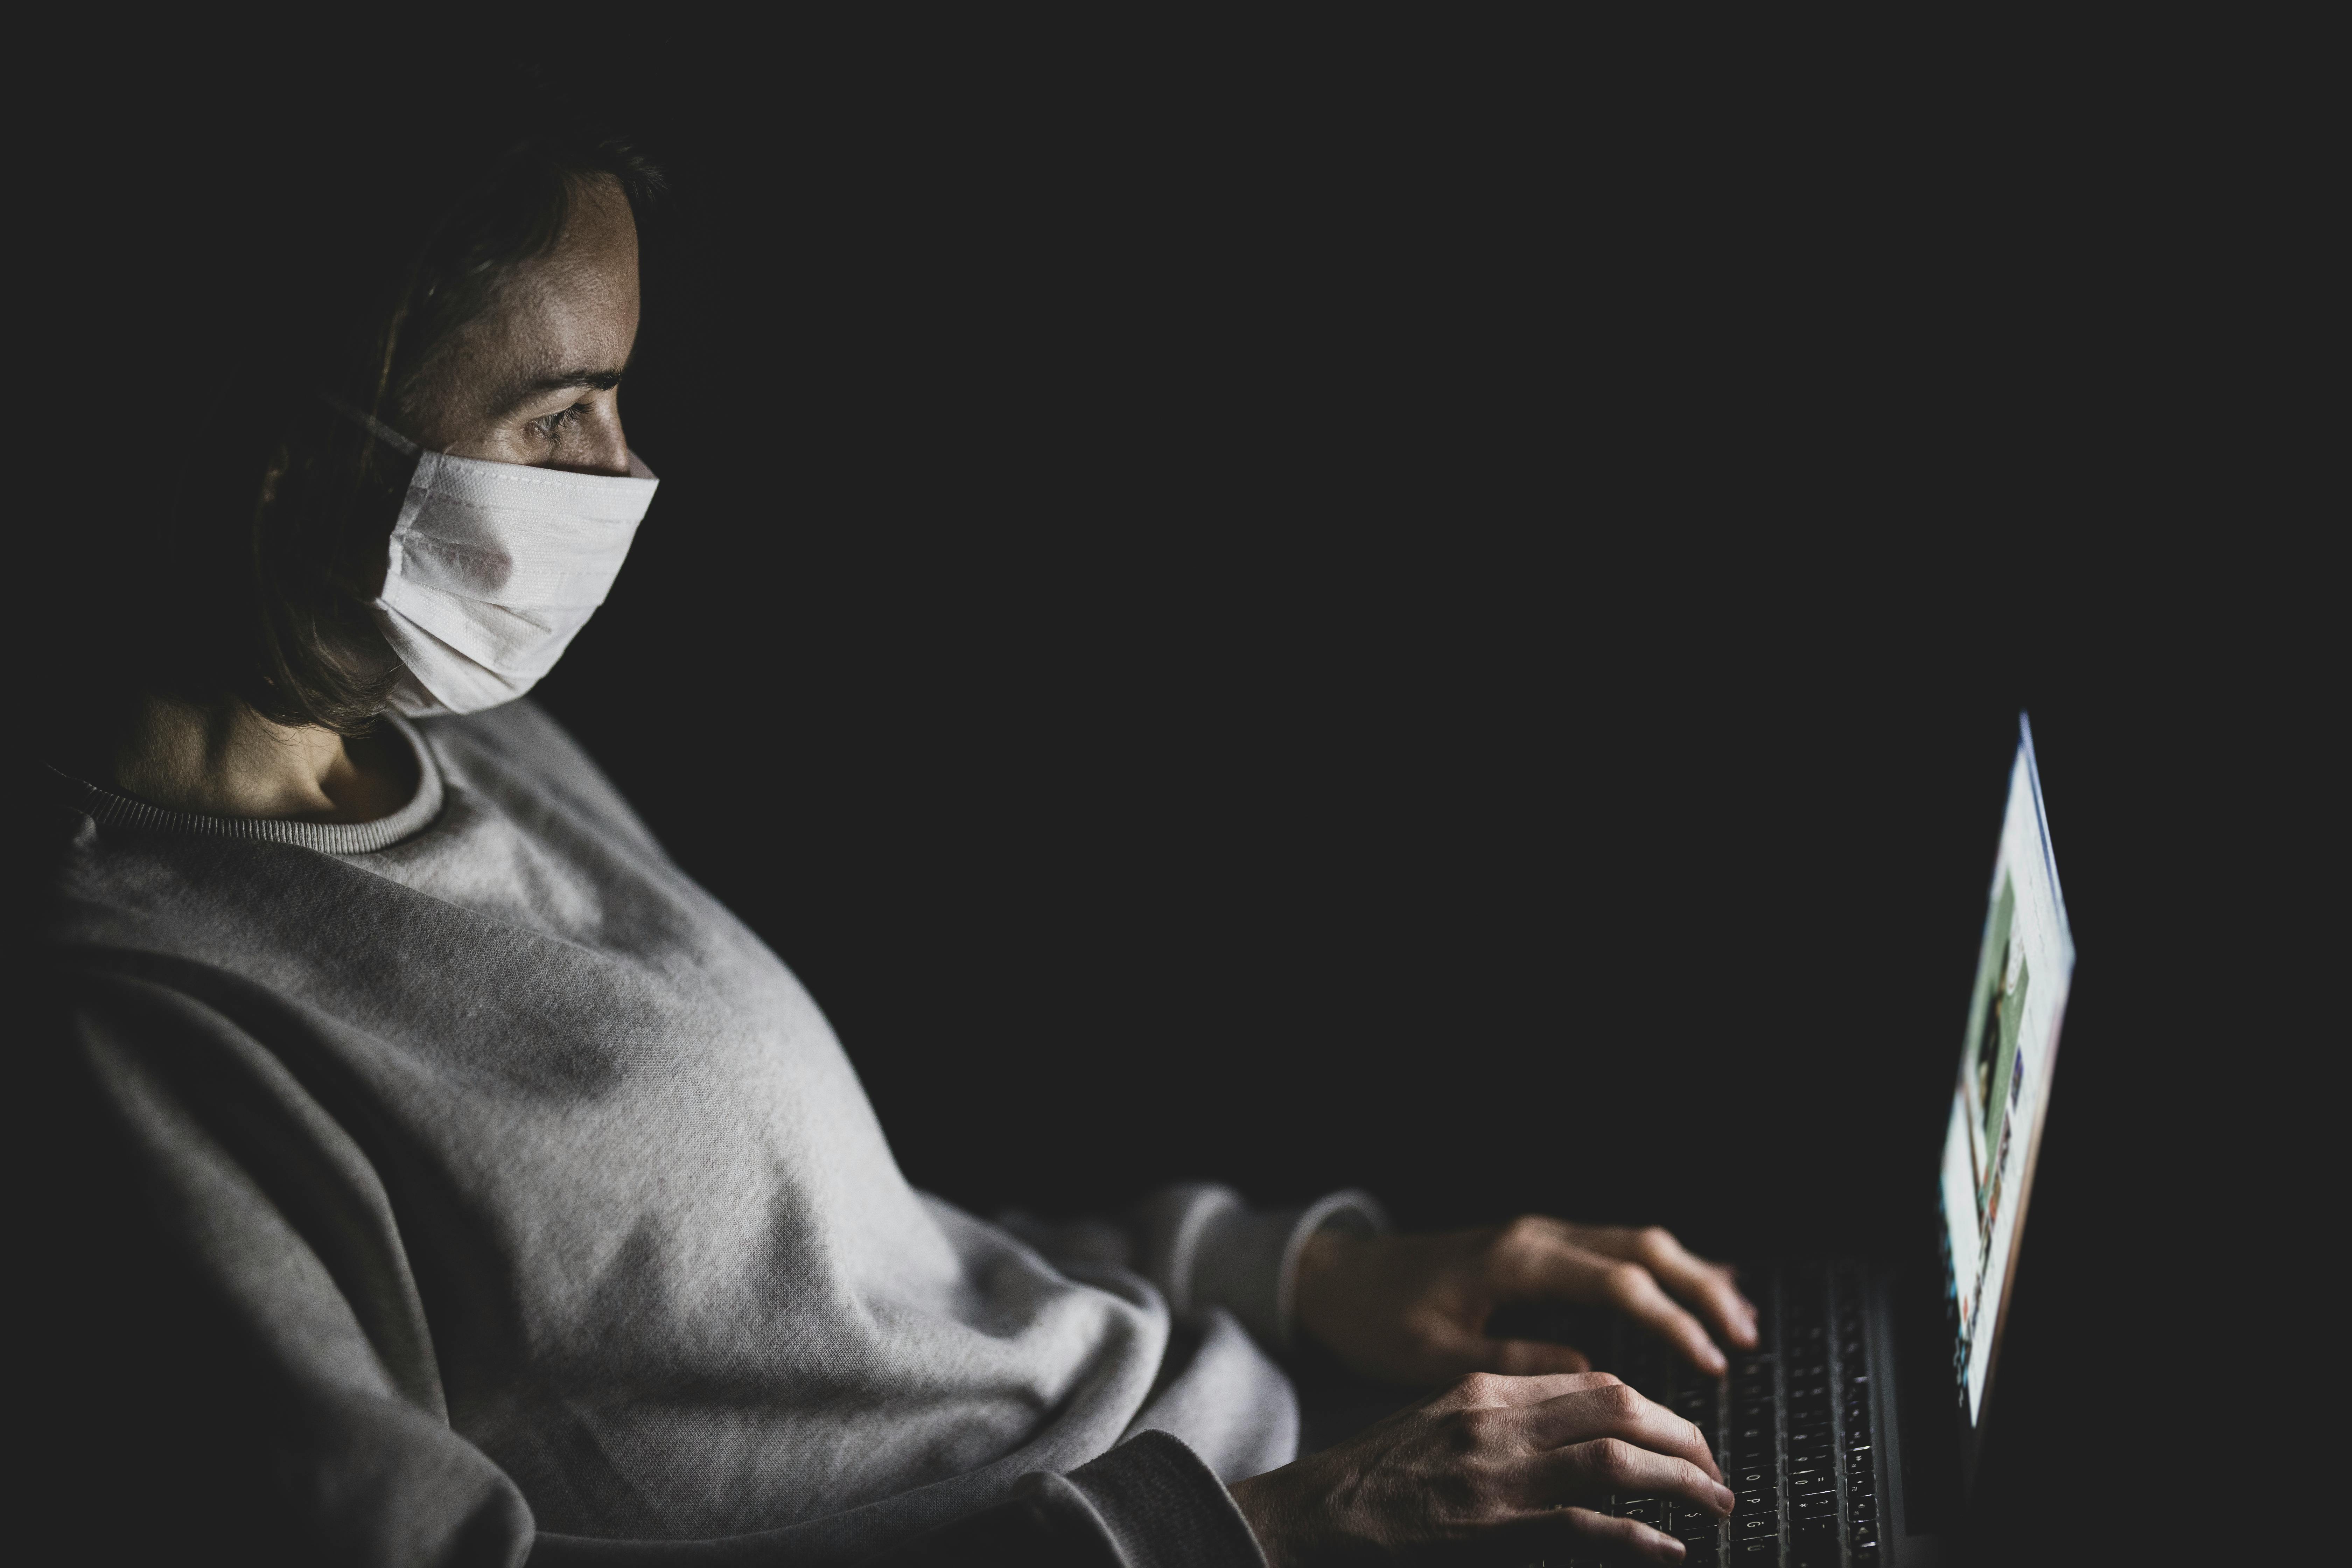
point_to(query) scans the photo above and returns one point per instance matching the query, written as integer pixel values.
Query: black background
(1447, 613)
(1314, 620)
(1313, 617)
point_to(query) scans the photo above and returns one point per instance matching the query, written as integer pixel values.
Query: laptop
(1851, 1435)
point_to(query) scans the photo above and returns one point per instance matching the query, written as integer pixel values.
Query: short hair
(318, 261)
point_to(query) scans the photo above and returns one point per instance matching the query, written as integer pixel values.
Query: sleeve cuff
(1149, 1503)
(1204, 1247)
(1162, 1505)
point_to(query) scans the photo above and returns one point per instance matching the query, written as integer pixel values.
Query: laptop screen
(2022, 972)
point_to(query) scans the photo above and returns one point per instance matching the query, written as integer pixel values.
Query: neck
(225, 760)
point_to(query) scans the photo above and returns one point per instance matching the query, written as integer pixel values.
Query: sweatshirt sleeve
(1204, 1246)
(280, 1237)
(1147, 1503)
(318, 1385)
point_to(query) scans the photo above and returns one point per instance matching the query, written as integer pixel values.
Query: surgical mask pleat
(493, 568)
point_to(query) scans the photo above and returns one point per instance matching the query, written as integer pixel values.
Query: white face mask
(495, 567)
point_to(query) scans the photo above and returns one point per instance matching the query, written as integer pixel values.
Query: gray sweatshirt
(546, 1203)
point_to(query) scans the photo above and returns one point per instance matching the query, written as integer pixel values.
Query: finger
(1491, 1391)
(1592, 1535)
(1706, 1286)
(1448, 1350)
(1629, 1469)
(1582, 1415)
(1531, 1358)
(1536, 1259)
(1634, 1292)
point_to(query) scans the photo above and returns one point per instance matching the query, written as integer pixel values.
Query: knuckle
(1482, 1388)
(1612, 1460)
(1655, 1241)
(1486, 1426)
(1626, 1281)
(1524, 1234)
(1622, 1403)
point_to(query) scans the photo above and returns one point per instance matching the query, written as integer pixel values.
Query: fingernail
(1723, 1499)
(1668, 1549)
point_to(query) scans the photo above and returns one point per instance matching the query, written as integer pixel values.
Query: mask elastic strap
(373, 426)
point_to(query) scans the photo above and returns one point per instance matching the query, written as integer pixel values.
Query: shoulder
(520, 748)
(520, 733)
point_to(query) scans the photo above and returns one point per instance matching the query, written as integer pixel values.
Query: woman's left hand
(1415, 1308)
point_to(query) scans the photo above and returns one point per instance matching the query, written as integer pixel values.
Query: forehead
(577, 304)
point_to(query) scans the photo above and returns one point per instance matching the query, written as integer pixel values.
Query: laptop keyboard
(1793, 1426)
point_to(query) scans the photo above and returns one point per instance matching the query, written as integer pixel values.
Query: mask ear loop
(424, 704)
(373, 426)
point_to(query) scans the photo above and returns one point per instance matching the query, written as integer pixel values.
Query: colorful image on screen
(2022, 971)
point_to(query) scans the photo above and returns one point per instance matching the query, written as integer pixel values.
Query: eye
(550, 427)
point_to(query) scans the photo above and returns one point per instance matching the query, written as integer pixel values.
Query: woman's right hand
(1494, 1464)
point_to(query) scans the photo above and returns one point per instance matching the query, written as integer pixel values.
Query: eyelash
(546, 423)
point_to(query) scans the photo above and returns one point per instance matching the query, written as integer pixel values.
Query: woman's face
(536, 379)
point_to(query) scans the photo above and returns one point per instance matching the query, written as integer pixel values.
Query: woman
(531, 1201)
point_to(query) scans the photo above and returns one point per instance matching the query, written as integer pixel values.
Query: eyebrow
(595, 380)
